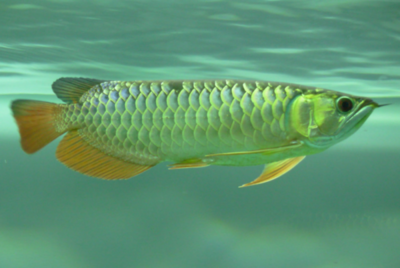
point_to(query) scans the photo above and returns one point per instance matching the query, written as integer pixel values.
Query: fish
(119, 129)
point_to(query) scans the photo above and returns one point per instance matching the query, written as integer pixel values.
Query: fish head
(326, 117)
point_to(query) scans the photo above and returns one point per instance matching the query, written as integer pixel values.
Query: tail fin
(36, 121)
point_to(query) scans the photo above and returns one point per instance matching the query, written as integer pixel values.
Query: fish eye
(345, 104)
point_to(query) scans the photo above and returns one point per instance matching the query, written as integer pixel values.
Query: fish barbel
(119, 129)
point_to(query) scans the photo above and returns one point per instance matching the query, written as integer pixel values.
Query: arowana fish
(119, 129)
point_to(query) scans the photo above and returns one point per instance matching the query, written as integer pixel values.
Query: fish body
(117, 129)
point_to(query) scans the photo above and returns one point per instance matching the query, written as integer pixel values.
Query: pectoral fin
(275, 170)
(262, 151)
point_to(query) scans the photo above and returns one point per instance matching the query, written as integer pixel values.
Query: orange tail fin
(36, 121)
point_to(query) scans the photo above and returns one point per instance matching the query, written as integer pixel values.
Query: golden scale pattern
(150, 120)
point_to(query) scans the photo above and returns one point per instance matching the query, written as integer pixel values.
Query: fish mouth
(369, 102)
(362, 113)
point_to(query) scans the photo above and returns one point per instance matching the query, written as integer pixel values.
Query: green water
(340, 208)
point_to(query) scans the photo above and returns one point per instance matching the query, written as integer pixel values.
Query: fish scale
(155, 121)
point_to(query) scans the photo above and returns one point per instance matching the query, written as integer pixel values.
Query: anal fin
(275, 170)
(189, 163)
(80, 156)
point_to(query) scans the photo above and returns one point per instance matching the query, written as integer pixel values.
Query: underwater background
(339, 208)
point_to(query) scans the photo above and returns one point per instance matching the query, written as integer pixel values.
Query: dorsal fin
(70, 89)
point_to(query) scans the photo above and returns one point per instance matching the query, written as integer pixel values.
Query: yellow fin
(71, 89)
(262, 151)
(80, 156)
(189, 163)
(36, 122)
(275, 170)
